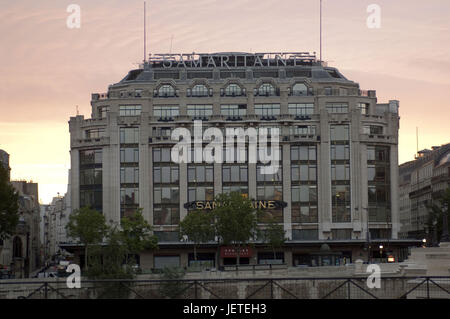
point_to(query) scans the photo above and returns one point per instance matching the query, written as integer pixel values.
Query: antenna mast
(145, 33)
(320, 31)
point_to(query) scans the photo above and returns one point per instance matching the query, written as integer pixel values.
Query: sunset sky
(47, 69)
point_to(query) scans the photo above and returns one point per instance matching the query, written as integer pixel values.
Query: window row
(166, 175)
(166, 195)
(130, 110)
(90, 157)
(91, 176)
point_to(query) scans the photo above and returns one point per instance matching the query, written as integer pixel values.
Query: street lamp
(381, 252)
(445, 236)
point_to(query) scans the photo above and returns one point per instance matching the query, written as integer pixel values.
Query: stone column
(324, 175)
(394, 191)
(287, 218)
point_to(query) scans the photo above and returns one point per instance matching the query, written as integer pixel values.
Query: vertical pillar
(287, 217)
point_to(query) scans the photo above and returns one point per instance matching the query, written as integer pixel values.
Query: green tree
(198, 227)
(107, 261)
(273, 235)
(136, 234)
(435, 216)
(89, 227)
(9, 206)
(236, 221)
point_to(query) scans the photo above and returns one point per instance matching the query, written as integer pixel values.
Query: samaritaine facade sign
(257, 204)
(230, 60)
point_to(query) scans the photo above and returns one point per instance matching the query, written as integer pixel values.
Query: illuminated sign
(257, 204)
(230, 60)
(231, 252)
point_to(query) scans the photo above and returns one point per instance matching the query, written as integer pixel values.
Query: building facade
(423, 181)
(20, 253)
(338, 179)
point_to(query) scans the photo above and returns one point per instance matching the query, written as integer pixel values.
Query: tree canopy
(88, 226)
(9, 206)
(236, 220)
(198, 226)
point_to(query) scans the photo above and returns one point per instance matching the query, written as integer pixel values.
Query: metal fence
(252, 288)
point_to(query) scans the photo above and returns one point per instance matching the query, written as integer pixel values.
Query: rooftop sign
(230, 59)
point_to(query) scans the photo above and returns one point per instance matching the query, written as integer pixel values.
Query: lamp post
(445, 236)
(381, 252)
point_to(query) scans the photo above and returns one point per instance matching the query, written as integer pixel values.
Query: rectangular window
(130, 110)
(200, 193)
(199, 111)
(302, 130)
(200, 174)
(301, 109)
(90, 157)
(339, 132)
(165, 175)
(129, 155)
(233, 110)
(166, 215)
(166, 111)
(364, 108)
(267, 109)
(129, 175)
(341, 234)
(129, 196)
(373, 129)
(129, 135)
(103, 110)
(234, 174)
(337, 107)
(95, 133)
(162, 155)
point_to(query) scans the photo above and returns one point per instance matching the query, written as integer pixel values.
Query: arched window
(199, 90)
(233, 90)
(17, 247)
(166, 90)
(266, 89)
(299, 89)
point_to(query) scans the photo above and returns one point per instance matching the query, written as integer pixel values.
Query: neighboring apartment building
(21, 252)
(422, 182)
(56, 218)
(338, 179)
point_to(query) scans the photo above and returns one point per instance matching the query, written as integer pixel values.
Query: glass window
(267, 109)
(129, 135)
(166, 91)
(301, 109)
(130, 110)
(166, 111)
(233, 90)
(129, 175)
(103, 110)
(337, 107)
(364, 108)
(299, 89)
(233, 110)
(340, 132)
(95, 133)
(129, 196)
(129, 155)
(199, 110)
(266, 89)
(302, 130)
(199, 90)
